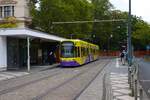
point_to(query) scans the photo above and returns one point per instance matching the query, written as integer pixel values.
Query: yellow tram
(76, 52)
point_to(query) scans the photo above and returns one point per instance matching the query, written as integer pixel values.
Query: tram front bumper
(69, 63)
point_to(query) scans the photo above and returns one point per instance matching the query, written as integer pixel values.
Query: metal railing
(134, 82)
(133, 79)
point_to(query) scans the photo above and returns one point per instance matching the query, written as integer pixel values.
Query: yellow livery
(76, 52)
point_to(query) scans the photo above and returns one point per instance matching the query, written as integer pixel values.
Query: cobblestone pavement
(119, 81)
(54, 84)
(5, 75)
(105, 79)
(100, 88)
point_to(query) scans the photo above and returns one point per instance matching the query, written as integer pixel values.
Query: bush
(9, 22)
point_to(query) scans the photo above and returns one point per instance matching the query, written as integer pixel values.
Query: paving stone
(119, 82)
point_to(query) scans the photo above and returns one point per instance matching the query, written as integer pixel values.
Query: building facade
(15, 8)
(21, 47)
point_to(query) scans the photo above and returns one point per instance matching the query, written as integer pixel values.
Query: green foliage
(119, 30)
(64, 10)
(82, 10)
(9, 22)
(141, 34)
(102, 30)
(8, 25)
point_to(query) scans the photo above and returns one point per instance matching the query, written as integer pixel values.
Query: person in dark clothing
(122, 56)
(52, 58)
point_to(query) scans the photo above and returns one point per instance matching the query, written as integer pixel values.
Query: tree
(102, 31)
(64, 10)
(141, 35)
(82, 10)
(119, 29)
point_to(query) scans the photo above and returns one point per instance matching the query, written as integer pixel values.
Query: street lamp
(109, 41)
(111, 36)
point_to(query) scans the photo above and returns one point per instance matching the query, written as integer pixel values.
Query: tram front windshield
(67, 50)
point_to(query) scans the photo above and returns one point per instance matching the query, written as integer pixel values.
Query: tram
(76, 52)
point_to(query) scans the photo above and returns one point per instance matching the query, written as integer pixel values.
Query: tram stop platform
(110, 84)
(5, 74)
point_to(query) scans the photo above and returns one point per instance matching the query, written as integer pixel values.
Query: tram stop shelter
(22, 48)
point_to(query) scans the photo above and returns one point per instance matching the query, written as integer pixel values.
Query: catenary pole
(129, 36)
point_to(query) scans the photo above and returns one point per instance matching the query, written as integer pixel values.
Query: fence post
(141, 94)
(129, 76)
(136, 81)
(135, 89)
(132, 85)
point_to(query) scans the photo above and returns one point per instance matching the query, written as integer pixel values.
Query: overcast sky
(139, 7)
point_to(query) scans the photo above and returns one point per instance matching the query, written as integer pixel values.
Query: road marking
(9, 75)
(117, 63)
(16, 74)
(6, 76)
(144, 80)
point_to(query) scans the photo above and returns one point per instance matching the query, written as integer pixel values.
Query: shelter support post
(28, 52)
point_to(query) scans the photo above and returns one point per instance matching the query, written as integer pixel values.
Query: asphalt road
(144, 75)
(52, 84)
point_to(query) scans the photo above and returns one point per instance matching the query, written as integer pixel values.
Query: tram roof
(25, 32)
(78, 40)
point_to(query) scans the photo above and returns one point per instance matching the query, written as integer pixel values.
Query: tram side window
(81, 51)
(87, 51)
(90, 51)
(94, 51)
(75, 52)
(78, 51)
(84, 52)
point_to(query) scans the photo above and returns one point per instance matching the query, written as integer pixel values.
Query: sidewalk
(119, 81)
(110, 84)
(99, 88)
(5, 75)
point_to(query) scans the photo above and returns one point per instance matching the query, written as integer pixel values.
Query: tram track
(28, 83)
(77, 96)
(83, 70)
(39, 97)
(54, 73)
(52, 89)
